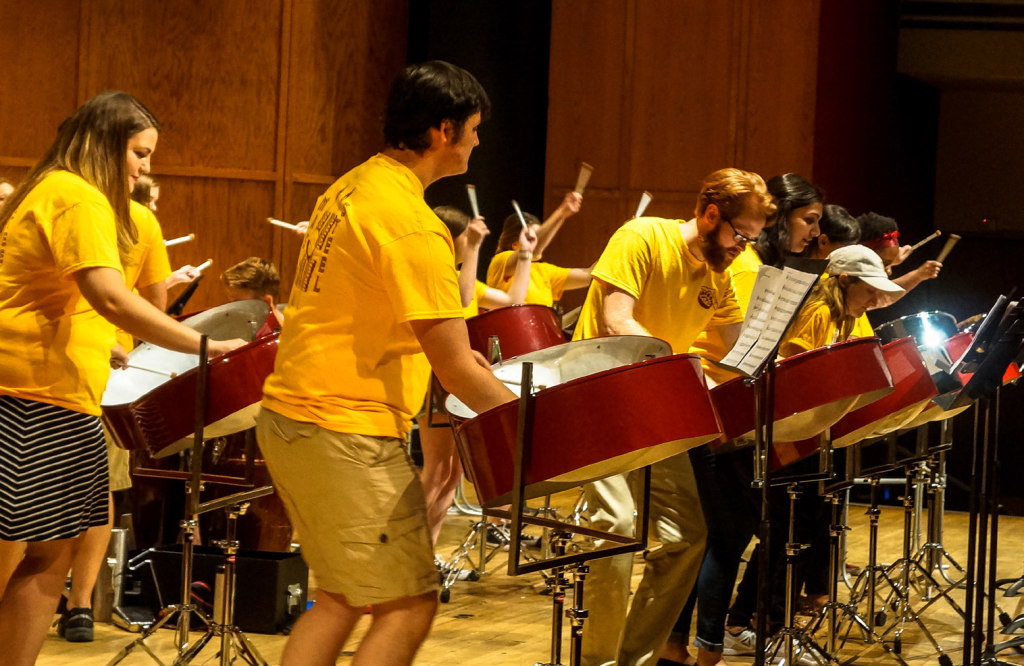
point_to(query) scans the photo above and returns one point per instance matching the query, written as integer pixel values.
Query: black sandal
(75, 625)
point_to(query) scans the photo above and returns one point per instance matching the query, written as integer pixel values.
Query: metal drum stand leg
(189, 525)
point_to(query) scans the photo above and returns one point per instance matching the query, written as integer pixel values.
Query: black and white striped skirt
(53, 471)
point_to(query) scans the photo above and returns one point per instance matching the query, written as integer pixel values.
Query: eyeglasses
(737, 236)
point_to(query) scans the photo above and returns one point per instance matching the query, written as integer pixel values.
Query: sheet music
(778, 294)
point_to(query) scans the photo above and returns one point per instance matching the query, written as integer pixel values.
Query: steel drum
(912, 393)
(600, 410)
(520, 329)
(144, 407)
(813, 390)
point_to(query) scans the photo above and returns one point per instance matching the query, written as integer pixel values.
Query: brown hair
(93, 144)
(453, 218)
(254, 274)
(729, 189)
(830, 292)
(512, 228)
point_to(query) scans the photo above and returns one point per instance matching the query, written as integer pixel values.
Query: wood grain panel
(39, 52)
(777, 122)
(682, 91)
(344, 56)
(586, 85)
(208, 70)
(228, 218)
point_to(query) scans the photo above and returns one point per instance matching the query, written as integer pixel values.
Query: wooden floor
(504, 620)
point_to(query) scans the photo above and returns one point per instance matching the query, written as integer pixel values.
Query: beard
(717, 256)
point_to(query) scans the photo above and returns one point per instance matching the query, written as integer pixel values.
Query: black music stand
(762, 378)
(992, 354)
(222, 625)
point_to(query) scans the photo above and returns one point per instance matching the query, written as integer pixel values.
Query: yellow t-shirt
(147, 263)
(473, 309)
(375, 258)
(547, 281)
(862, 328)
(56, 348)
(709, 343)
(812, 328)
(677, 296)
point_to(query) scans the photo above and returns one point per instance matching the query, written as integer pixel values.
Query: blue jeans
(731, 515)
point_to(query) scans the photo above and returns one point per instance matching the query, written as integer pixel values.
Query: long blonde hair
(830, 292)
(93, 144)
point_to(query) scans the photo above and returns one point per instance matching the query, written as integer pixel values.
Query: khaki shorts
(119, 461)
(358, 504)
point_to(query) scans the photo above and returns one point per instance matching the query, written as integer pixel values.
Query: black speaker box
(270, 588)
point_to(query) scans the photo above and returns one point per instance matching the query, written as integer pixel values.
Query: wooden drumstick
(471, 191)
(584, 177)
(947, 248)
(645, 199)
(925, 240)
(178, 241)
(282, 224)
(203, 266)
(522, 220)
(155, 371)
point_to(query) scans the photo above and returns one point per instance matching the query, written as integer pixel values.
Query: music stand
(992, 355)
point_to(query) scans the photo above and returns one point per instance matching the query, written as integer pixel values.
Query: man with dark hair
(881, 234)
(374, 306)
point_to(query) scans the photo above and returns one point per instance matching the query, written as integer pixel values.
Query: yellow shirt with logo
(374, 259)
(709, 343)
(677, 295)
(56, 348)
(147, 263)
(547, 281)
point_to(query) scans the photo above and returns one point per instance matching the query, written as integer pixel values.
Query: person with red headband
(881, 234)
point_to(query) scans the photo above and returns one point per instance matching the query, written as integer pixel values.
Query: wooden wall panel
(664, 92)
(41, 90)
(780, 81)
(228, 219)
(344, 56)
(262, 106)
(208, 70)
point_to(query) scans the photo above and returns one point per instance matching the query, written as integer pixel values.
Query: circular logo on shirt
(706, 297)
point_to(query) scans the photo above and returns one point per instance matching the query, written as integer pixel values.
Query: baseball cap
(864, 263)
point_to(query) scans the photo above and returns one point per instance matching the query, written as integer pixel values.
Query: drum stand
(562, 560)
(184, 611)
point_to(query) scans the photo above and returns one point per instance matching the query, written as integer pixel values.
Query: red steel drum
(813, 390)
(520, 329)
(143, 407)
(912, 392)
(587, 424)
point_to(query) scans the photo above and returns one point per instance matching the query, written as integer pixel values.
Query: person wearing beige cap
(853, 283)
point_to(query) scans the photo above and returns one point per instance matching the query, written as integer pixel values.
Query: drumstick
(522, 220)
(584, 177)
(947, 248)
(282, 224)
(203, 266)
(471, 191)
(165, 373)
(645, 199)
(179, 240)
(925, 240)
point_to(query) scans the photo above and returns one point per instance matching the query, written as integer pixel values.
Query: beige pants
(610, 635)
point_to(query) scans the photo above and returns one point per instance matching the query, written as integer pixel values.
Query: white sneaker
(802, 656)
(741, 645)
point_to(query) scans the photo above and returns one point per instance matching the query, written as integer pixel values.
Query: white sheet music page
(778, 293)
